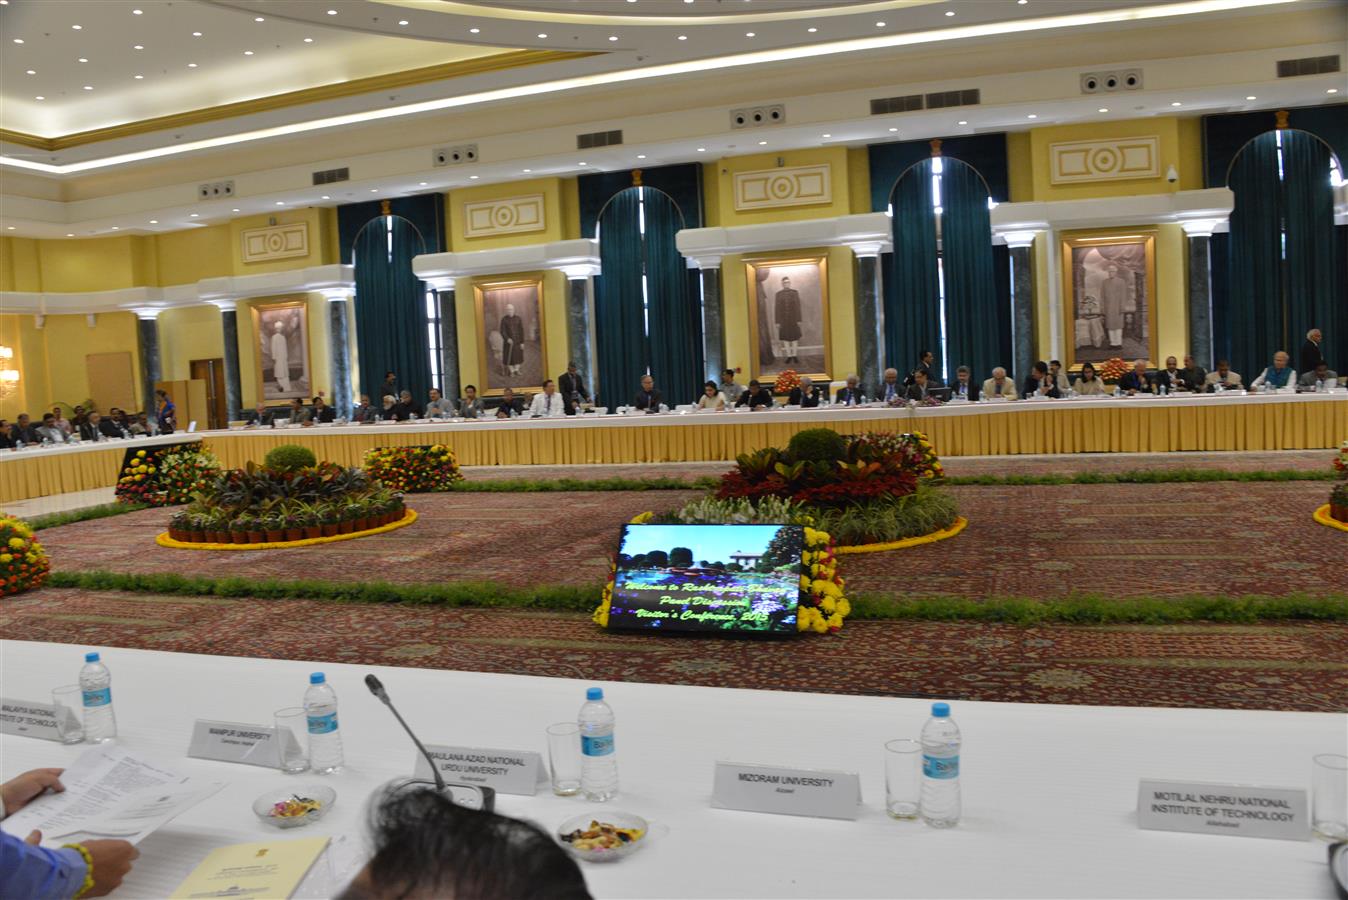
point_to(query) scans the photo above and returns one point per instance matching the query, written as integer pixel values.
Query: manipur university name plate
(1239, 809)
(789, 792)
(234, 742)
(508, 771)
(28, 719)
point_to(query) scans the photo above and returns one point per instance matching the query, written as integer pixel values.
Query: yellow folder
(267, 869)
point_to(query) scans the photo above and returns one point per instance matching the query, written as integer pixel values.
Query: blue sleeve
(35, 873)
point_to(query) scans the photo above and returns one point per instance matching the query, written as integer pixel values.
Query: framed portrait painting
(788, 315)
(281, 331)
(512, 352)
(1109, 295)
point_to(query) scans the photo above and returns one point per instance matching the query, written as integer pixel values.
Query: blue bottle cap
(940, 710)
(594, 694)
(317, 678)
(91, 657)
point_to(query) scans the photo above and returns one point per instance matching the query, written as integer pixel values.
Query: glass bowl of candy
(603, 837)
(294, 807)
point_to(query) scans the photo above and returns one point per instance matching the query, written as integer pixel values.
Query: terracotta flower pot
(312, 531)
(329, 528)
(256, 537)
(362, 524)
(197, 537)
(1339, 513)
(239, 537)
(218, 537)
(346, 526)
(294, 534)
(275, 536)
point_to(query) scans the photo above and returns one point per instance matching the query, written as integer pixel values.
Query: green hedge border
(1083, 609)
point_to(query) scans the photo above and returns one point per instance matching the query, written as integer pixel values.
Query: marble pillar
(1200, 297)
(449, 345)
(229, 329)
(150, 375)
(339, 353)
(870, 318)
(713, 319)
(580, 321)
(1022, 311)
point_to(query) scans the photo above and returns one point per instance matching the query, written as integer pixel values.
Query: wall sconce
(9, 378)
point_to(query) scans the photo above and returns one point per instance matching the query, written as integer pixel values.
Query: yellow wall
(1020, 169)
(185, 334)
(554, 213)
(51, 359)
(1180, 146)
(186, 257)
(839, 170)
(30, 360)
(555, 332)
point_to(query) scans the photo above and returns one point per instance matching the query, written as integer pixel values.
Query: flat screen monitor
(732, 578)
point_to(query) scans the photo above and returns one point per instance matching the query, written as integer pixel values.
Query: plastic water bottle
(100, 725)
(940, 769)
(599, 763)
(325, 740)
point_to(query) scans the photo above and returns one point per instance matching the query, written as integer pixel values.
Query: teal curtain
(675, 344)
(619, 319)
(913, 306)
(390, 308)
(973, 325)
(1314, 299)
(1273, 301)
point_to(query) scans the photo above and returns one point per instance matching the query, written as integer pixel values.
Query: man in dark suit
(1136, 381)
(97, 428)
(1040, 383)
(755, 397)
(1193, 377)
(851, 394)
(919, 388)
(648, 398)
(406, 407)
(509, 407)
(805, 395)
(964, 387)
(323, 412)
(1311, 355)
(572, 388)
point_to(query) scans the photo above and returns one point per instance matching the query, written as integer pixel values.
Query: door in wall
(212, 371)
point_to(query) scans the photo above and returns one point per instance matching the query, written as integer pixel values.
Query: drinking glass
(903, 778)
(1329, 796)
(69, 702)
(292, 735)
(564, 758)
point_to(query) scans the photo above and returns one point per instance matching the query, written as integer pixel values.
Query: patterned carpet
(1292, 667)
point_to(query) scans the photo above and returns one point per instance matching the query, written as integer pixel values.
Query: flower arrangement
(23, 562)
(1111, 370)
(1338, 502)
(1341, 462)
(823, 606)
(166, 476)
(414, 470)
(786, 382)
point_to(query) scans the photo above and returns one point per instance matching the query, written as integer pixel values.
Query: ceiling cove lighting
(830, 48)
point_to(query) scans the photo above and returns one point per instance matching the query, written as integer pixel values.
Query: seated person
(78, 419)
(711, 398)
(1223, 379)
(364, 412)
(964, 388)
(1089, 384)
(1323, 378)
(729, 389)
(1277, 376)
(470, 407)
(141, 426)
(919, 387)
(439, 408)
(851, 394)
(648, 398)
(548, 403)
(6, 442)
(61, 421)
(97, 428)
(323, 412)
(1136, 381)
(1169, 377)
(755, 396)
(509, 407)
(1039, 383)
(998, 386)
(299, 415)
(1059, 377)
(388, 413)
(29, 870)
(890, 390)
(1193, 377)
(259, 417)
(425, 846)
(405, 408)
(48, 431)
(806, 395)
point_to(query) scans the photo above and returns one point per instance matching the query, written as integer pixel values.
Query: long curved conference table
(1132, 425)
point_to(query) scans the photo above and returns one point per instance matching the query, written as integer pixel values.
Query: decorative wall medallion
(1116, 159)
(512, 215)
(774, 188)
(275, 242)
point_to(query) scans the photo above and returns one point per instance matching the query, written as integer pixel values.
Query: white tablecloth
(1049, 791)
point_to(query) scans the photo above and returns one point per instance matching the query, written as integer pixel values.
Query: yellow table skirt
(1155, 426)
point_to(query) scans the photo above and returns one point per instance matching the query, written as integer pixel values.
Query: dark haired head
(1085, 366)
(730, 372)
(388, 375)
(161, 393)
(470, 387)
(547, 381)
(755, 383)
(425, 846)
(1041, 367)
(709, 384)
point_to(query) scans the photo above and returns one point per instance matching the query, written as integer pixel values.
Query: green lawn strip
(1084, 609)
(52, 520)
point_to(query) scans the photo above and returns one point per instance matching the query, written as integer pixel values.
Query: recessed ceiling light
(701, 149)
(82, 59)
(234, 210)
(137, 12)
(526, 170)
(826, 135)
(893, 129)
(191, 65)
(39, 98)
(196, 34)
(138, 47)
(748, 34)
(423, 184)
(879, 24)
(258, 19)
(1032, 116)
(1022, 2)
(811, 30)
(641, 156)
(332, 12)
(324, 197)
(76, 27)
(683, 37)
(762, 143)
(116, 228)
(9, 227)
(18, 40)
(1176, 103)
(154, 221)
(374, 190)
(280, 203)
(139, 77)
(308, 40)
(70, 234)
(248, 53)
(472, 178)
(949, 12)
(1332, 91)
(612, 37)
(404, 22)
(1252, 97)
(88, 87)
(962, 122)
(474, 30)
(195, 216)
(32, 71)
(542, 36)
(582, 164)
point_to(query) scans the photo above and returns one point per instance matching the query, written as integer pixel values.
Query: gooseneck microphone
(467, 795)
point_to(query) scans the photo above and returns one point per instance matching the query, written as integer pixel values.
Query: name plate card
(36, 720)
(234, 742)
(1239, 809)
(508, 771)
(789, 792)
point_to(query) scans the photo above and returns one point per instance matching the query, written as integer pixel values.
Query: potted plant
(241, 529)
(309, 518)
(360, 513)
(215, 525)
(294, 525)
(346, 516)
(178, 526)
(1338, 502)
(274, 527)
(329, 517)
